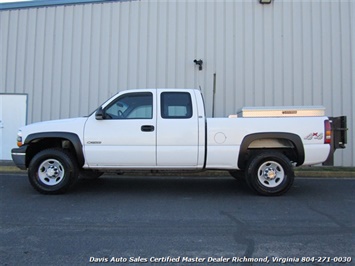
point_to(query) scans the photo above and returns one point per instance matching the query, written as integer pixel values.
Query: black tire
(270, 174)
(53, 171)
(237, 174)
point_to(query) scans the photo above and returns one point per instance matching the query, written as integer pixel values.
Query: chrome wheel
(51, 172)
(271, 174)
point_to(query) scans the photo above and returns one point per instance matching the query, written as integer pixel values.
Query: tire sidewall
(252, 174)
(69, 166)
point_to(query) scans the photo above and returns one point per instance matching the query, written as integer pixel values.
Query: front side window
(176, 105)
(131, 106)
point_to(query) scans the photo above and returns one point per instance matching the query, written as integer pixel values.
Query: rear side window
(176, 105)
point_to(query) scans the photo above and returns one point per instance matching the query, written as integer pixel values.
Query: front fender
(72, 137)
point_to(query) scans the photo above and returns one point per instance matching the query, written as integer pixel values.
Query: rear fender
(293, 138)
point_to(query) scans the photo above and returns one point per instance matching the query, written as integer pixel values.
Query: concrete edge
(331, 172)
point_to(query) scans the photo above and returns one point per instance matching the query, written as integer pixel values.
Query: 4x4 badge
(315, 135)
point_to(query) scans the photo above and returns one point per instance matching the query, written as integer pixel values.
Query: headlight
(19, 138)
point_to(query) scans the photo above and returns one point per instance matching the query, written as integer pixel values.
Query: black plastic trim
(19, 157)
(295, 139)
(72, 137)
(205, 157)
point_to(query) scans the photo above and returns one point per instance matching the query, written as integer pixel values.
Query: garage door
(13, 108)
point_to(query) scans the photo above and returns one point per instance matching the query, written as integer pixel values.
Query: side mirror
(99, 115)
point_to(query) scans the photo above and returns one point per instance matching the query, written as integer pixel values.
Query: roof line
(44, 3)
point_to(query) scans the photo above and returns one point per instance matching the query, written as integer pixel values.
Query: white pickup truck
(167, 129)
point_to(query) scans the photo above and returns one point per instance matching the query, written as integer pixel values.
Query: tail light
(327, 132)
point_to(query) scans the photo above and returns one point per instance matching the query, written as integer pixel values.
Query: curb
(319, 171)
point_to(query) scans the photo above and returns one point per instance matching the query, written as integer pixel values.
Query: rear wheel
(53, 171)
(270, 174)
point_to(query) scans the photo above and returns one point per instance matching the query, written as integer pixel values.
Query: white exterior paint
(119, 142)
(69, 59)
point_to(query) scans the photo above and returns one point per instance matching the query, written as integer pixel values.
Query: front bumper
(19, 157)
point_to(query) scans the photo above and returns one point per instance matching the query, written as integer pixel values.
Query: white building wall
(69, 59)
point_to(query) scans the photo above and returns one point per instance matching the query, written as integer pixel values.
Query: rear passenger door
(177, 129)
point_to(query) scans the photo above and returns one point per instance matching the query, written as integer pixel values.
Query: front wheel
(270, 174)
(53, 171)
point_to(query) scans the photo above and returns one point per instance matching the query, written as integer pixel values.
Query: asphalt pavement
(177, 220)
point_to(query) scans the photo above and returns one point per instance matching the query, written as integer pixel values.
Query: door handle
(147, 128)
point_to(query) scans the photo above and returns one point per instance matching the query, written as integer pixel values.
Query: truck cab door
(178, 129)
(123, 133)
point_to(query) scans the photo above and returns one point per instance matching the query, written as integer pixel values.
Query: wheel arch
(280, 137)
(54, 139)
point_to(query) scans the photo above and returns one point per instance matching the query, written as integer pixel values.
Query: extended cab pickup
(167, 129)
